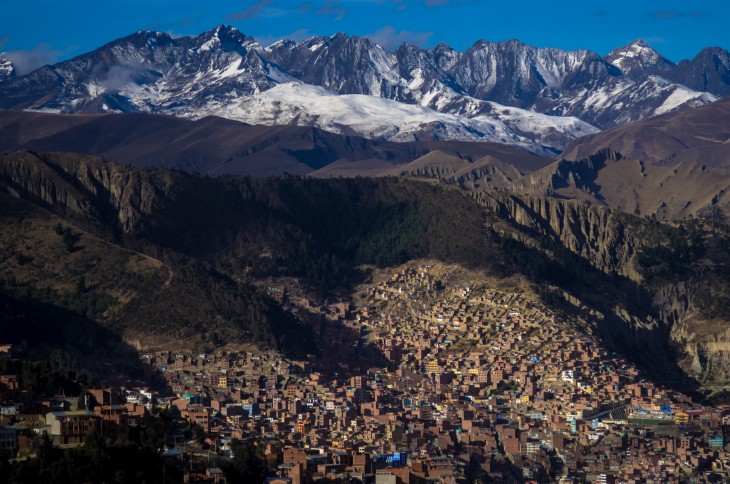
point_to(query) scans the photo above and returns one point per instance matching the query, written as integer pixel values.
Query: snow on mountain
(514, 73)
(301, 104)
(212, 69)
(550, 81)
(7, 70)
(551, 132)
(152, 72)
(681, 97)
(624, 100)
(363, 115)
(342, 64)
(538, 98)
(638, 59)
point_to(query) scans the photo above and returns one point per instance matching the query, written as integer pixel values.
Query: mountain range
(674, 165)
(217, 146)
(538, 99)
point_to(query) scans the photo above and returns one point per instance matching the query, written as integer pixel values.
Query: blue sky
(34, 32)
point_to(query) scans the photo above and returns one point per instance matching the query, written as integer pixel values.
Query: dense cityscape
(428, 374)
(352, 242)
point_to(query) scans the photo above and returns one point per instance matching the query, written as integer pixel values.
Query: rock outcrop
(658, 316)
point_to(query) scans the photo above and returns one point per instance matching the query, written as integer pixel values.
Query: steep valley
(646, 286)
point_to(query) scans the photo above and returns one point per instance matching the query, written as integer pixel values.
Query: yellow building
(681, 418)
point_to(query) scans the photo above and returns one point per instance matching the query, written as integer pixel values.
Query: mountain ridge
(219, 146)
(210, 73)
(672, 166)
(641, 280)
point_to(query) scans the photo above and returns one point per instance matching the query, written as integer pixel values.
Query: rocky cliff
(156, 213)
(86, 188)
(635, 278)
(651, 317)
(594, 233)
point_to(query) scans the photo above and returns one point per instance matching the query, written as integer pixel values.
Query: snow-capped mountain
(151, 72)
(508, 91)
(342, 64)
(378, 118)
(623, 100)
(7, 70)
(550, 81)
(638, 59)
(517, 74)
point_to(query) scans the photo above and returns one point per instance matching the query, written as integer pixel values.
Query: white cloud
(26, 61)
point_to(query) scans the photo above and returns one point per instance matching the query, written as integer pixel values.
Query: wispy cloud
(118, 77)
(26, 61)
(4, 40)
(672, 14)
(333, 8)
(390, 38)
(252, 11)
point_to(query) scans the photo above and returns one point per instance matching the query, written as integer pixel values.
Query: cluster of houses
(457, 379)
(441, 378)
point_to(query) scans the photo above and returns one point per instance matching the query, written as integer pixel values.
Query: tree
(81, 285)
(249, 464)
(94, 443)
(70, 239)
(199, 434)
(120, 396)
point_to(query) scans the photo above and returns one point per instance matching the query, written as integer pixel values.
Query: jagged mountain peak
(442, 47)
(513, 43)
(722, 55)
(208, 73)
(479, 44)
(145, 34)
(226, 38)
(341, 38)
(142, 39)
(281, 44)
(708, 71)
(444, 56)
(639, 59)
(225, 29)
(640, 43)
(224, 32)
